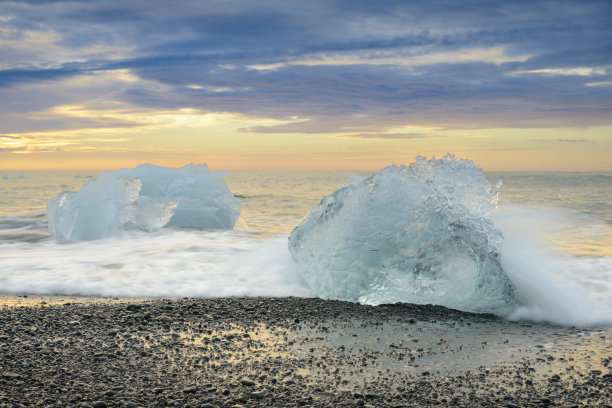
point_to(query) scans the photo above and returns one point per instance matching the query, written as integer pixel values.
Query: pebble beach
(289, 352)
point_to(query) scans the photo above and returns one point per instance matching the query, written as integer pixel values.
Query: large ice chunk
(143, 198)
(420, 233)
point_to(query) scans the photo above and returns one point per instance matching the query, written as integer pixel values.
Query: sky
(281, 84)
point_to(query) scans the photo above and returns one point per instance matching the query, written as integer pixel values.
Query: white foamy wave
(430, 233)
(558, 261)
(169, 263)
(557, 279)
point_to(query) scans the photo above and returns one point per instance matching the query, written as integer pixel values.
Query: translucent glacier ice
(144, 198)
(102, 207)
(204, 200)
(420, 233)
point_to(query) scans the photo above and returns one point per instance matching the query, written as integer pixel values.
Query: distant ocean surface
(557, 229)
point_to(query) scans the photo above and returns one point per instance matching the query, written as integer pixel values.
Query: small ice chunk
(204, 199)
(420, 233)
(103, 207)
(144, 198)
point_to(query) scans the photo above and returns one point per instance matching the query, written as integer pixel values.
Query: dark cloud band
(477, 64)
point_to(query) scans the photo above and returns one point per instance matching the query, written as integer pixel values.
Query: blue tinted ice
(204, 199)
(420, 233)
(144, 198)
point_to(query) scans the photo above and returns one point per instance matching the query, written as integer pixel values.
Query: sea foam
(556, 280)
(166, 263)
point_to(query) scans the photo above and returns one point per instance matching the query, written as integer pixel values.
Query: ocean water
(557, 247)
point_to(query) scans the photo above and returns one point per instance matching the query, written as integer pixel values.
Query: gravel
(290, 352)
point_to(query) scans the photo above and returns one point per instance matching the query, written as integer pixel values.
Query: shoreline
(58, 300)
(88, 351)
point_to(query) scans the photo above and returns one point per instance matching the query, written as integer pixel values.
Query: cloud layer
(361, 68)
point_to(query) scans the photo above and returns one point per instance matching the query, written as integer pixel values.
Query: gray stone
(163, 319)
(257, 394)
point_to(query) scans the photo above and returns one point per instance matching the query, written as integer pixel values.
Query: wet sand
(103, 352)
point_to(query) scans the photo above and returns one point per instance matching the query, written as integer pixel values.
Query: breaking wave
(431, 232)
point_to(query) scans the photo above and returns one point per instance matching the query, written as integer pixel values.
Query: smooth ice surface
(420, 233)
(103, 207)
(144, 198)
(204, 200)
